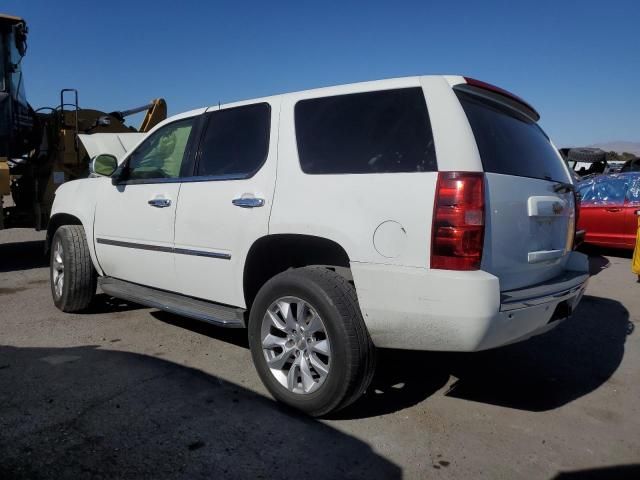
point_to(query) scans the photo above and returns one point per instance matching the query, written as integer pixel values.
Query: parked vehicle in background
(632, 165)
(422, 213)
(587, 161)
(615, 166)
(608, 209)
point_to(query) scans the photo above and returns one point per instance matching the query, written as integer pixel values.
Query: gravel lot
(131, 392)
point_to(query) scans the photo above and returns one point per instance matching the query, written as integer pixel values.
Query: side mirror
(104, 165)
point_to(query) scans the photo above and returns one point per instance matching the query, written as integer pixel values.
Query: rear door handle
(248, 202)
(613, 209)
(160, 202)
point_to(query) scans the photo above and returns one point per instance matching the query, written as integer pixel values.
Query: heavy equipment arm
(39, 150)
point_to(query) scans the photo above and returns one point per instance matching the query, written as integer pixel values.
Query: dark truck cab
(16, 115)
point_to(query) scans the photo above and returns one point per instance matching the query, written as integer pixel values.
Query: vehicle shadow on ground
(616, 472)
(540, 374)
(22, 256)
(598, 263)
(103, 303)
(235, 336)
(592, 250)
(88, 412)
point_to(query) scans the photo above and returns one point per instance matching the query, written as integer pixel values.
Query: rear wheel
(309, 342)
(73, 277)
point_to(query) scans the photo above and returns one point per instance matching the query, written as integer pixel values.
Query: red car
(608, 209)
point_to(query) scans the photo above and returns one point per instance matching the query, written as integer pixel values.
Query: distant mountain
(619, 147)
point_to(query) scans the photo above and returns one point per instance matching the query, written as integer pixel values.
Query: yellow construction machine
(40, 149)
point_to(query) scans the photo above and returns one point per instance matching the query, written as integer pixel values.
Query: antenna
(218, 104)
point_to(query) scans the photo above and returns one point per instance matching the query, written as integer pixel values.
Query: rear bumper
(421, 309)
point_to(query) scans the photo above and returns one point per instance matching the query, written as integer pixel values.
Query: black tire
(80, 278)
(353, 354)
(589, 155)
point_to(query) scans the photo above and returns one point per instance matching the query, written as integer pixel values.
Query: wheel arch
(61, 219)
(55, 222)
(273, 254)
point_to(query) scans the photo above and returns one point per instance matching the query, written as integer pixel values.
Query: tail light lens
(458, 221)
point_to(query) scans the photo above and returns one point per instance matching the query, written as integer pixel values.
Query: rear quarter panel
(349, 209)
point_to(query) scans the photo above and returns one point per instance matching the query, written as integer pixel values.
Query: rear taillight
(458, 221)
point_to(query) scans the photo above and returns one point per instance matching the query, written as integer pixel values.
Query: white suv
(427, 213)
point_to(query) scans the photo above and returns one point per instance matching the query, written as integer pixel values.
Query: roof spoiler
(498, 95)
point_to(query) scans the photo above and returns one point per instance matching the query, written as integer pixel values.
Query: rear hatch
(530, 204)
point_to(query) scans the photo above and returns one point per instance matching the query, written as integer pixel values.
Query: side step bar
(220, 315)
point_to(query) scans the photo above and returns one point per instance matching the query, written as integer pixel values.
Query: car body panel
(607, 210)
(208, 221)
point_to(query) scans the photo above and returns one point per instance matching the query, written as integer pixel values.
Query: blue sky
(578, 62)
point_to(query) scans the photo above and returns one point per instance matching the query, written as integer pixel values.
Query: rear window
(511, 144)
(374, 132)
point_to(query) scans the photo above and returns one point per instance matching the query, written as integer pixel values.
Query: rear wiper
(562, 187)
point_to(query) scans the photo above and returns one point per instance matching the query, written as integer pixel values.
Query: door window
(236, 142)
(161, 155)
(633, 192)
(604, 191)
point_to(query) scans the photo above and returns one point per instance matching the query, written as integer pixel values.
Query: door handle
(613, 209)
(159, 202)
(248, 202)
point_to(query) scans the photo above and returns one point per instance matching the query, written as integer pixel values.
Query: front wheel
(73, 277)
(309, 342)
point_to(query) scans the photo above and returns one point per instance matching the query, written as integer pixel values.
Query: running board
(216, 314)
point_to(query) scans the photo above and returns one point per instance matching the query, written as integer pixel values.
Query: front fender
(77, 199)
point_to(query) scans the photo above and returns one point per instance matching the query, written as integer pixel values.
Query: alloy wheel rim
(57, 269)
(295, 345)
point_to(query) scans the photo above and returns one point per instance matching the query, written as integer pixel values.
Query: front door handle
(613, 209)
(160, 202)
(248, 202)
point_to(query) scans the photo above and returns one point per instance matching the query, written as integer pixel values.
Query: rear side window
(375, 132)
(235, 141)
(511, 144)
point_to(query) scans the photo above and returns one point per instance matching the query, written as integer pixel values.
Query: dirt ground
(129, 392)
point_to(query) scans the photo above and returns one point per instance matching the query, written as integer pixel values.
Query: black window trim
(187, 161)
(227, 177)
(392, 89)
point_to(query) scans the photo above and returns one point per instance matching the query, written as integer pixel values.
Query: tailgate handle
(544, 255)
